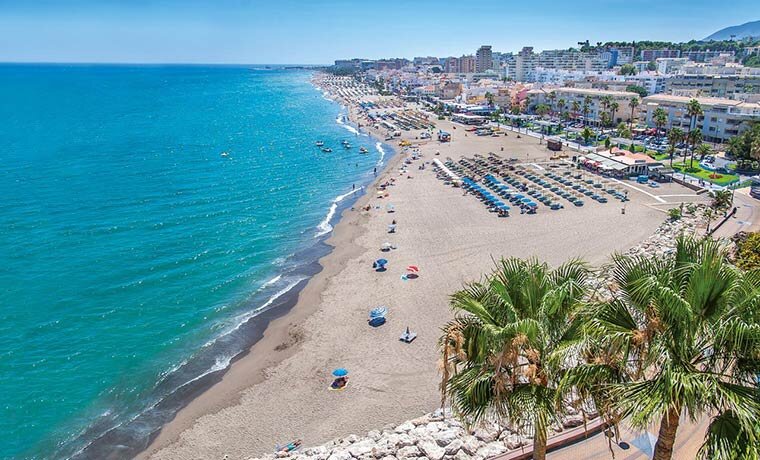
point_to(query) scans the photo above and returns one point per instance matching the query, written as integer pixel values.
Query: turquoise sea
(148, 212)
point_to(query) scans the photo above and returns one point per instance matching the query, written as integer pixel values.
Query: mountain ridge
(748, 29)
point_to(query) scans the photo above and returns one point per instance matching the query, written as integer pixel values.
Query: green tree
(675, 136)
(703, 150)
(542, 110)
(694, 138)
(721, 200)
(576, 108)
(624, 131)
(640, 90)
(552, 96)
(652, 66)
(681, 336)
(633, 103)
(746, 145)
(561, 105)
(587, 134)
(693, 111)
(489, 98)
(503, 353)
(627, 69)
(660, 119)
(614, 106)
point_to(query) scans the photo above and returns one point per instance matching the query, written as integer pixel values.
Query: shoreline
(276, 334)
(278, 393)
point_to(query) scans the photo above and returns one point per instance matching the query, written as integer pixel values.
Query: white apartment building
(722, 119)
(570, 95)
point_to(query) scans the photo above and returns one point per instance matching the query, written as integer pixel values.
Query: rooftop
(706, 101)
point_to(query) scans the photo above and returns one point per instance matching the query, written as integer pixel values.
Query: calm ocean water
(132, 249)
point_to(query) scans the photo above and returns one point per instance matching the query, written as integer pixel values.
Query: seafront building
(723, 118)
(720, 86)
(579, 95)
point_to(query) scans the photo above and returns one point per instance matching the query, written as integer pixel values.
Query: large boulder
(443, 438)
(408, 452)
(491, 449)
(339, 454)
(404, 427)
(572, 421)
(453, 447)
(360, 448)
(471, 444)
(318, 452)
(462, 455)
(431, 449)
(404, 440)
(485, 435)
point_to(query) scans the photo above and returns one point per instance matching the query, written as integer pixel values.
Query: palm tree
(675, 135)
(694, 138)
(561, 105)
(587, 101)
(703, 150)
(542, 110)
(552, 96)
(633, 103)
(605, 102)
(693, 110)
(680, 336)
(503, 352)
(489, 98)
(660, 118)
(614, 106)
(576, 107)
(586, 110)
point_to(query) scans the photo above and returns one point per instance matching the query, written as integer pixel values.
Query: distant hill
(750, 29)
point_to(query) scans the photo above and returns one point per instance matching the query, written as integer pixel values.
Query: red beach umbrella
(412, 268)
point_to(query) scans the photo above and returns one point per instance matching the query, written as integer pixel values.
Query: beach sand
(279, 391)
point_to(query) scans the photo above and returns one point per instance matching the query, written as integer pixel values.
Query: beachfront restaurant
(620, 163)
(467, 119)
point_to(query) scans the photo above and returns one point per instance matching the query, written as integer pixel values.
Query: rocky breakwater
(434, 436)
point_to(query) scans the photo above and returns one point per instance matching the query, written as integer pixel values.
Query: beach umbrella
(381, 261)
(413, 268)
(378, 312)
(340, 372)
(386, 246)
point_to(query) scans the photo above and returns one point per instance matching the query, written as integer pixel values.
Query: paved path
(639, 446)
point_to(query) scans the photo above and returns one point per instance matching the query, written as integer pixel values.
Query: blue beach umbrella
(381, 261)
(340, 372)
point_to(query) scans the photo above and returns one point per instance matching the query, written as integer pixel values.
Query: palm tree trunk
(663, 450)
(539, 442)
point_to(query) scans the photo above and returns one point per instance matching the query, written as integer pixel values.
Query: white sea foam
(324, 227)
(270, 282)
(381, 151)
(348, 127)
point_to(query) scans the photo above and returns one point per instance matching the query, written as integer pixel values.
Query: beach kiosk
(554, 144)
(443, 136)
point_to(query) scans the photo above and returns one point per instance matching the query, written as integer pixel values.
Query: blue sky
(319, 31)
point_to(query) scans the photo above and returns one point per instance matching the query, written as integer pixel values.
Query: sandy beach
(279, 391)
